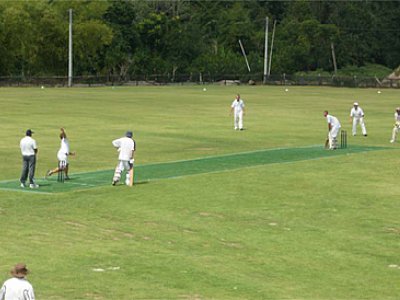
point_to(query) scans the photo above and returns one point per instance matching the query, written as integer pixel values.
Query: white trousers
(122, 166)
(333, 137)
(62, 157)
(394, 133)
(238, 120)
(362, 124)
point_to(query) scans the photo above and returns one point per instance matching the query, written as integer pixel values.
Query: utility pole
(272, 46)
(334, 58)
(244, 55)
(266, 52)
(70, 50)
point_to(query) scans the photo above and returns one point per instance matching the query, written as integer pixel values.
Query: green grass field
(264, 213)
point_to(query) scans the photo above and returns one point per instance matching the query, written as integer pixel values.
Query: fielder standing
(396, 127)
(237, 108)
(29, 151)
(334, 128)
(357, 116)
(17, 287)
(126, 148)
(62, 156)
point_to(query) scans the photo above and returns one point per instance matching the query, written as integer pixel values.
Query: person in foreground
(17, 287)
(126, 148)
(334, 128)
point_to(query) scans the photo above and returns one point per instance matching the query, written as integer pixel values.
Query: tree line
(125, 38)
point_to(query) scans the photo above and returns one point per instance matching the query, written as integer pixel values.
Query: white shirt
(28, 146)
(238, 106)
(64, 148)
(17, 289)
(125, 147)
(356, 113)
(333, 121)
(396, 117)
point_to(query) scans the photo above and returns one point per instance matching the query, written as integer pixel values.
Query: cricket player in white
(126, 148)
(29, 152)
(237, 108)
(357, 116)
(18, 287)
(396, 127)
(334, 128)
(62, 156)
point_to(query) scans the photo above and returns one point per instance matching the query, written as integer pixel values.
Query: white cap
(355, 103)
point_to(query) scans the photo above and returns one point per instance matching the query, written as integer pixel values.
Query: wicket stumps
(343, 139)
(61, 171)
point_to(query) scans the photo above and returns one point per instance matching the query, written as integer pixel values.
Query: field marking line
(27, 190)
(83, 184)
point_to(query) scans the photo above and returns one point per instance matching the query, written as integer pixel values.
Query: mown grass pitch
(176, 169)
(309, 229)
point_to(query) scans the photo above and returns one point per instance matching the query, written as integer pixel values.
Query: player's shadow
(142, 182)
(135, 183)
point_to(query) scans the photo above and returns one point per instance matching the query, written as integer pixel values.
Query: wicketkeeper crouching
(126, 148)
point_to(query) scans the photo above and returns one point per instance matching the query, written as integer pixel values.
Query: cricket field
(263, 213)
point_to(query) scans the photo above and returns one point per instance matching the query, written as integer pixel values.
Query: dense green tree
(121, 17)
(181, 37)
(19, 37)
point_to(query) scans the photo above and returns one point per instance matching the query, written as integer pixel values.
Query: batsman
(333, 130)
(126, 148)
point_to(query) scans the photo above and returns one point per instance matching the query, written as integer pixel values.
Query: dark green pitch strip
(175, 169)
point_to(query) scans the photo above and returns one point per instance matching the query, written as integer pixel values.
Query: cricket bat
(327, 143)
(131, 176)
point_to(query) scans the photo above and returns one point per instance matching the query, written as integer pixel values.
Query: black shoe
(114, 182)
(365, 134)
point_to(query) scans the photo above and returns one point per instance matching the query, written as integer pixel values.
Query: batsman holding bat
(333, 130)
(126, 148)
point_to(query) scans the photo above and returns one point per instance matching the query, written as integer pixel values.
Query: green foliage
(126, 38)
(369, 70)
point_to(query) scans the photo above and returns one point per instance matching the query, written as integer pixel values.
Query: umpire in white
(29, 151)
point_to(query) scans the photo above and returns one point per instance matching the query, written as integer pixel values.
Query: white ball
(204, 90)
(379, 92)
(286, 90)
(42, 87)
